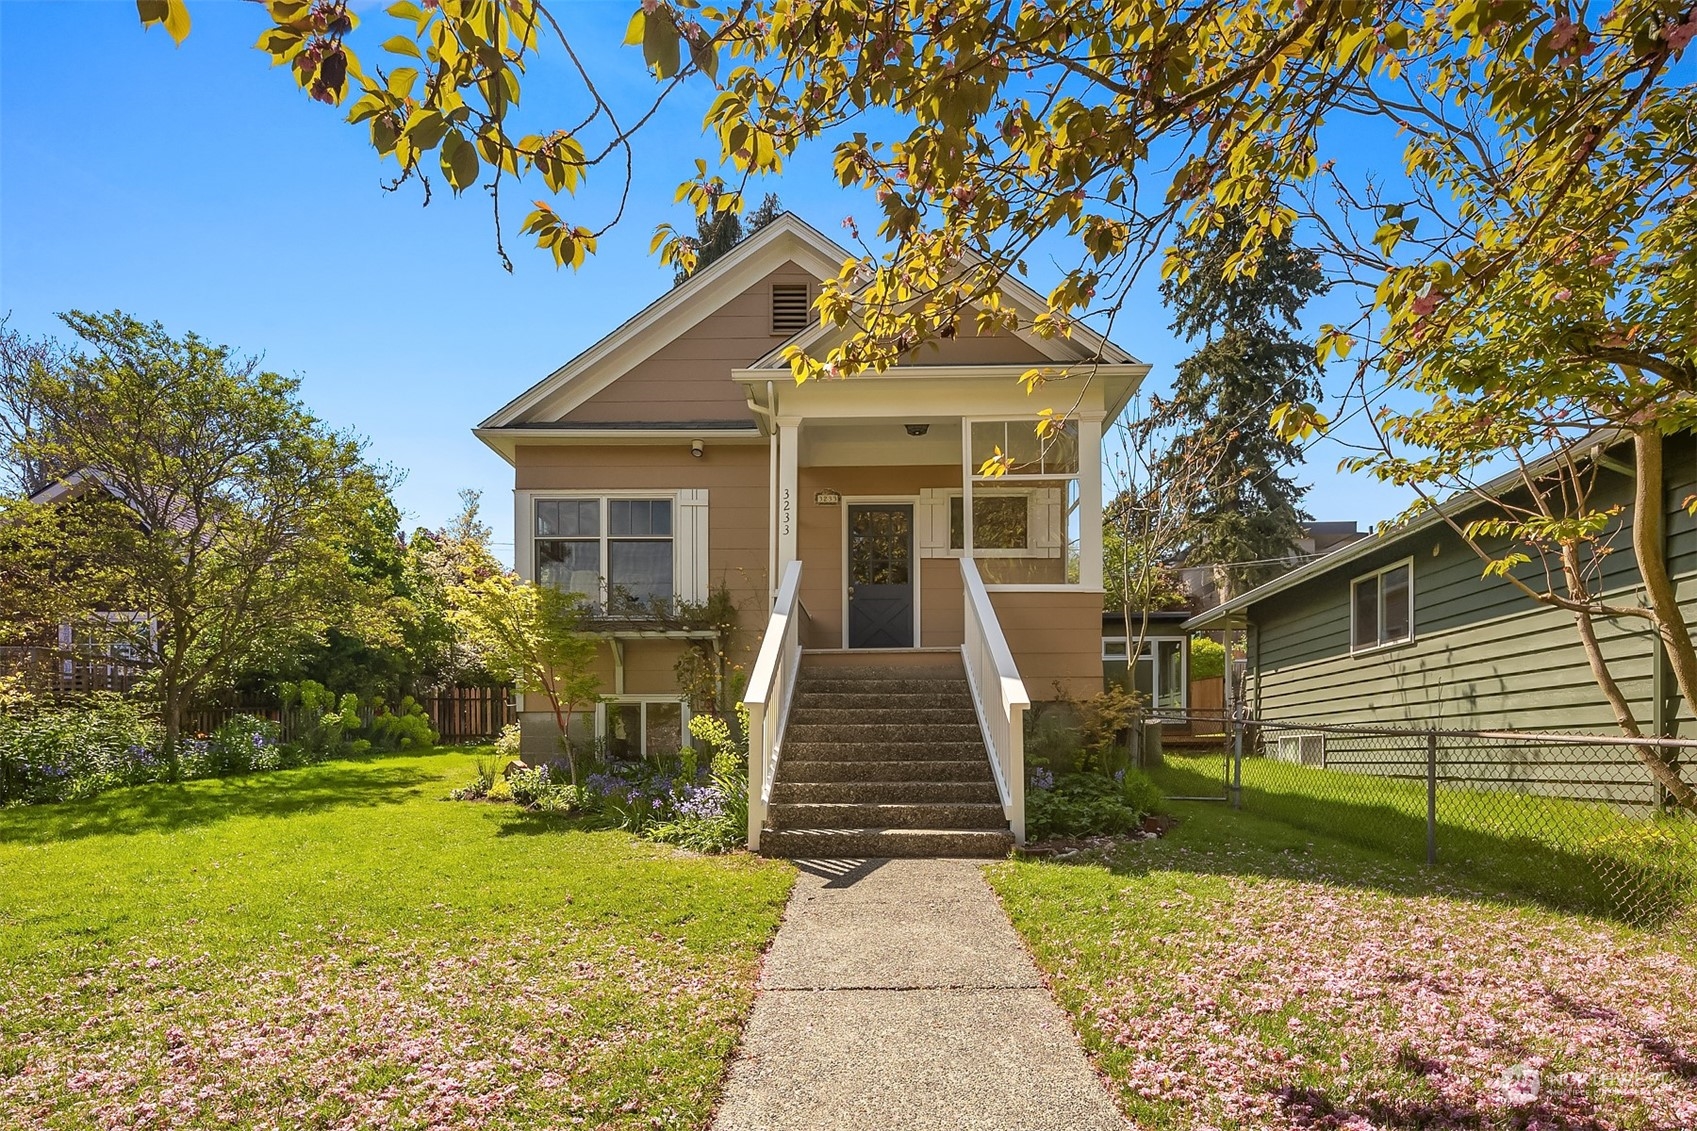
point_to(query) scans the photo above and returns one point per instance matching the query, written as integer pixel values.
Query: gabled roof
(1590, 446)
(179, 515)
(668, 317)
(1084, 345)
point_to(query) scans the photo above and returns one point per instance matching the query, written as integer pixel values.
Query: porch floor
(897, 995)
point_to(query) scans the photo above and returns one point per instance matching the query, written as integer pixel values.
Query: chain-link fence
(1595, 823)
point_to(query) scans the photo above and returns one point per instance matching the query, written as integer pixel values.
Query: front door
(880, 575)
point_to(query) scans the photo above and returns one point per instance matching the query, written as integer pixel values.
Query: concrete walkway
(897, 995)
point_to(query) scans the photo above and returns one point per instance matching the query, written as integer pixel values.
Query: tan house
(916, 605)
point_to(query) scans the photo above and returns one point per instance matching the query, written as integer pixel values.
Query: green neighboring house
(1404, 630)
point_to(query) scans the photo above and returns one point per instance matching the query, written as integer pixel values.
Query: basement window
(791, 308)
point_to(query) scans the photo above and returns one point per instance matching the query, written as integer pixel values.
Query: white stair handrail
(771, 687)
(998, 694)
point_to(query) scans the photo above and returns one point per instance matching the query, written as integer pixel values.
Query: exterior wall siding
(737, 518)
(819, 544)
(1055, 637)
(690, 377)
(1485, 656)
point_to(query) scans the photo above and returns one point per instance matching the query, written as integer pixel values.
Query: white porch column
(1090, 502)
(789, 442)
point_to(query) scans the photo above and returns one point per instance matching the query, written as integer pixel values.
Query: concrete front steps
(883, 757)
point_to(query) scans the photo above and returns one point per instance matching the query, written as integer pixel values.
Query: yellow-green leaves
(655, 28)
(172, 15)
(459, 161)
(401, 45)
(569, 245)
(559, 158)
(1332, 341)
(1297, 421)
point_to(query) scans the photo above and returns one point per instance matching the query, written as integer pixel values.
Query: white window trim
(1089, 505)
(1036, 524)
(689, 534)
(1148, 653)
(603, 729)
(1383, 645)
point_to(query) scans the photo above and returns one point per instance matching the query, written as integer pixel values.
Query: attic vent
(791, 311)
(1302, 749)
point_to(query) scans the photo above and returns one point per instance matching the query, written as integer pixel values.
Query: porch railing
(771, 686)
(998, 694)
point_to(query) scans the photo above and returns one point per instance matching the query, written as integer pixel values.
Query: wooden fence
(458, 714)
(465, 714)
(63, 672)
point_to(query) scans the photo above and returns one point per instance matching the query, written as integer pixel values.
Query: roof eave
(1361, 547)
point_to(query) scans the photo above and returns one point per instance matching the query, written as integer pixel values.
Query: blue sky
(198, 187)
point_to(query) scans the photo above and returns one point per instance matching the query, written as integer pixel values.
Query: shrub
(323, 722)
(1207, 658)
(63, 753)
(405, 728)
(712, 817)
(241, 743)
(530, 786)
(507, 744)
(1088, 804)
(486, 769)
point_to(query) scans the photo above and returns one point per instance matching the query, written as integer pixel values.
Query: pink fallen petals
(379, 1037)
(1294, 1005)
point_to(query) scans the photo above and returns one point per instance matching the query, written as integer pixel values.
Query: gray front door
(880, 575)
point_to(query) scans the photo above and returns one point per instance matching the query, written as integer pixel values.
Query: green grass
(338, 943)
(1245, 972)
(1564, 854)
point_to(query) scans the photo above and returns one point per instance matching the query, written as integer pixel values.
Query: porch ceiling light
(918, 429)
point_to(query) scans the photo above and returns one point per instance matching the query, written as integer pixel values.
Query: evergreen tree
(1251, 360)
(717, 232)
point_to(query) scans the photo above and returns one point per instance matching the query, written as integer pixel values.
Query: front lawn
(1568, 855)
(336, 946)
(1245, 973)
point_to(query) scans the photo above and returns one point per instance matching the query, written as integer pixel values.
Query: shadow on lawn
(166, 808)
(1516, 869)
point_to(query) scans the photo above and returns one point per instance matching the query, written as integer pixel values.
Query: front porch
(908, 539)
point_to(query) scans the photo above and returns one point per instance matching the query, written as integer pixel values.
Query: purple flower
(702, 803)
(1042, 779)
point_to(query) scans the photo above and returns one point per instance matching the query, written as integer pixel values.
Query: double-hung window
(617, 552)
(1381, 607)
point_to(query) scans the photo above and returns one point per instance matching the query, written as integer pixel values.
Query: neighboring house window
(1023, 524)
(119, 637)
(1161, 674)
(644, 728)
(791, 309)
(616, 552)
(1381, 607)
